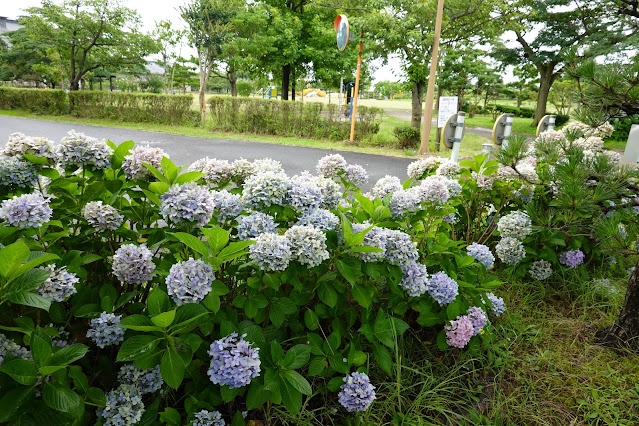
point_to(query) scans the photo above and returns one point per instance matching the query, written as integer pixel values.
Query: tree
(562, 95)
(526, 85)
(89, 34)
(388, 89)
(461, 67)
(26, 59)
(167, 38)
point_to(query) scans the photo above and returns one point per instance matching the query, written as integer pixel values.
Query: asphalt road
(187, 149)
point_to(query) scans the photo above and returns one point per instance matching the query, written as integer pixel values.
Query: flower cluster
(26, 211)
(357, 393)
(459, 331)
(227, 205)
(8, 346)
(187, 203)
(133, 163)
(20, 144)
(265, 189)
(416, 169)
(241, 169)
(16, 172)
(414, 279)
(400, 248)
(478, 318)
(208, 418)
(266, 165)
(572, 258)
(308, 245)
(256, 223)
(148, 381)
(189, 281)
(102, 217)
(59, 285)
(216, 172)
(319, 218)
(497, 304)
(234, 361)
(442, 288)
(403, 202)
(375, 237)
(105, 330)
(591, 143)
(331, 165)
(305, 194)
(133, 264)
(540, 270)
(515, 225)
(386, 185)
(484, 181)
(449, 169)
(124, 406)
(356, 174)
(271, 252)
(482, 254)
(78, 149)
(510, 250)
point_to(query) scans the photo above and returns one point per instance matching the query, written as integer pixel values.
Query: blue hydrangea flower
(308, 245)
(8, 346)
(433, 189)
(416, 169)
(217, 172)
(271, 252)
(331, 165)
(442, 288)
(478, 318)
(481, 254)
(403, 201)
(78, 149)
(124, 406)
(386, 185)
(540, 270)
(256, 223)
(357, 393)
(189, 281)
(510, 250)
(16, 172)
(320, 218)
(105, 330)
(400, 248)
(234, 361)
(102, 217)
(356, 174)
(305, 194)
(331, 192)
(187, 203)
(20, 144)
(572, 258)
(227, 206)
(266, 189)
(133, 163)
(148, 381)
(515, 225)
(26, 211)
(450, 218)
(208, 418)
(414, 279)
(376, 237)
(498, 306)
(133, 264)
(59, 285)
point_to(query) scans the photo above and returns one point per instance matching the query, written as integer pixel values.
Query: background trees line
(286, 41)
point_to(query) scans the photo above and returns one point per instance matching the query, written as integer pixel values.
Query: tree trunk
(204, 77)
(286, 76)
(232, 81)
(416, 115)
(624, 332)
(520, 97)
(546, 79)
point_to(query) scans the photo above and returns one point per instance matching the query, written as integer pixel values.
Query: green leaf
(238, 419)
(170, 169)
(381, 213)
(29, 299)
(12, 256)
(21, 370)
(302, 355)
(40, 347)
(350, 268)
(80, 380)
(157, 302)
(186, 314)
(454, 309)
(120, 152)
(383, 358)
(362, 294)
(311, 319)
(189, 177)
(139, 323)
(327, 294)
(172, 368)
(12, 401)
(69, 354)
(335, 383)
(233, 250)
(316, 366)
(35, 260)
(212, 302)
(216, 237)
(158, 188)
(156, 173)
(33, 159)
(95, 396)
(365, 249)
(153, 197)
(136, 346)
(28, 281)
(192, 242)
(164, 319)
(60, 398)
(291, 398)
(171, 416)
(298, 382)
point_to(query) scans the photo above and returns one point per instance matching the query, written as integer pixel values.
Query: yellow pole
(430, 93)
(359, 68)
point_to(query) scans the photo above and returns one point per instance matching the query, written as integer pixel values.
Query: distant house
(7, 25)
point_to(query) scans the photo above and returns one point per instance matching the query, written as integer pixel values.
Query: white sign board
(631, 153)
(447, 107)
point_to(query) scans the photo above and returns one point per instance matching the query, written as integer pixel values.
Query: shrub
(138, 107)
(622, 127)
(407, 136)
(40, 101)
(244, 87)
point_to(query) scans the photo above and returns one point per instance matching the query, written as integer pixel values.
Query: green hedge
(41, 101)
(301, 119)
(138, 107)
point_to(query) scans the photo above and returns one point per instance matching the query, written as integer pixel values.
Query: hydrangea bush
(134, 290)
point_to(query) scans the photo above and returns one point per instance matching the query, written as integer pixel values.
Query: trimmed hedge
(302, 119)
(40, 101)
(138, 107)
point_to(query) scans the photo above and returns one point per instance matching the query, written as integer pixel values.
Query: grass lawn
(520, 125)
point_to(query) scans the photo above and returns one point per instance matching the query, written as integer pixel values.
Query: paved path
(187, 149)
(406, 115)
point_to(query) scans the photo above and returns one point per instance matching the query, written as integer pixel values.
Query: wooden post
(354, 99)
(430, 94)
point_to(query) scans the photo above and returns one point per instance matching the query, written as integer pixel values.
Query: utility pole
(355, 94)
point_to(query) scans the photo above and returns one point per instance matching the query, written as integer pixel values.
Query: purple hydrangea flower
(414, 279)
(132, 164)
(124, 406)
(320, 218)
(148, 381)
(208, 418)
(133, 264)
(459, 332)
(26, 211)
(482, 254)
(572, 258)
(331, 192)
(498, 306)
(433, 189)
(400, 248)
(19, 144)
(478, 318)
(305, 193)
(357, 393)
(16, 172)
(251, 226)
(308, 245)
(217, 172)
(105, 330)
(403, 201)
(59, 285)
(271, 252)
(376, 237)
(102, 217)
(78, 149)
(386, 185)
(356, 174)
(266, 189)
(442, 288)
(189, 281)
(227, 206)
(187, 203)
(331, 165)
(234, 362)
